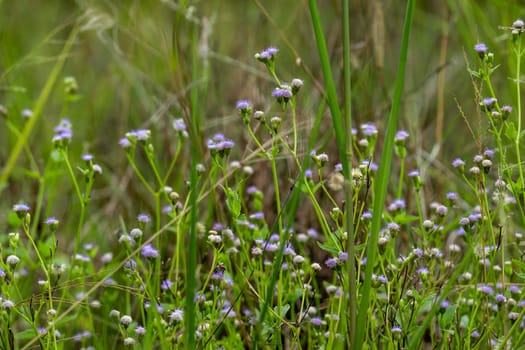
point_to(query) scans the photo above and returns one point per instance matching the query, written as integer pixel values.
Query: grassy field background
(137, 63)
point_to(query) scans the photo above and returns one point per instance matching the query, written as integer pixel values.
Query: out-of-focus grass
(134, 69)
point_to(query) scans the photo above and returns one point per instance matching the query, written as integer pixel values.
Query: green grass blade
(383, 177)
(191, 266)
(342, 134)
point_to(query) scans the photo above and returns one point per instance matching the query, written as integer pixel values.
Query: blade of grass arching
(382, 180)
(341, 133)
(350, 243)
(191, 266)
(37, 109)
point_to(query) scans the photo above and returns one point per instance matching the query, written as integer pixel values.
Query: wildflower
(139, 135)
(166, 285)
(267, 55)
(148, 251)
(8, 304)
(21, 210)
(486, 289)
(298, 259)
(458, 163)
(87, 157)
(219, 144)
(180, 126)
(331, 262)
(316, 321)
(176, 315)
(506, 110)
(475, 334)
(129, 341)
(481, 49)
(136, 233)
(12, 260)
(143, 218)
(401, 137)
(296, 85)
(114, 314)
(500, 298)
(27, 113)
(140, 330)
(282, 94)
(488, 103)
(343, 256)
(125, 142)
(126, 320)
(368, 129)
(244, 106)
(63, 133)
(518, 24)
(315, 267)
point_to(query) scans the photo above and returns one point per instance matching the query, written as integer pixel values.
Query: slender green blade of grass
(191, 266)
(350, 247)
(382, 181)
(39, 106)
(341, 138)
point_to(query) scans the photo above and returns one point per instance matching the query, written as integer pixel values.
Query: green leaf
(448, 316)
(327, 247)
(510, 131)
(233, 202)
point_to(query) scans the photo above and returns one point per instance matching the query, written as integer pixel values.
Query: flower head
(267, 54)
(148, 251)
(481, 49)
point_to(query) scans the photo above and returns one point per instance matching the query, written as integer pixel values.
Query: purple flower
(368, 129)
(87, 157)
(458, 163)
(343, 256)
(140, 134)
(475, 334)
(143, 218)
(63, 131)
(506, 109)
(257, 216)
(413, 173)
(243, 105)
(148, 251)
(281, 93)
(166, 284)
(21, 208)
(481, 49)
(331, 262)
(488, 103)
(125, 142)
(514, 289)
(366, 215)
(518, 24)
(452, 196)
(308, 173)
(401, 136)
(486, 289)
(396, 329)
(316, 321)
(500, 298)
(444, 304)
(179, 125)
(338, 167)
(219, 143)
(418, 252)
(267, 54)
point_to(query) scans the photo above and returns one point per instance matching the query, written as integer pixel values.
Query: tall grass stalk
(350, 243)
(381, 186)
(191, 266)
(344, 142)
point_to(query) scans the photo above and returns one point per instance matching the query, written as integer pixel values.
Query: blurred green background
(134, 62)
